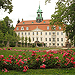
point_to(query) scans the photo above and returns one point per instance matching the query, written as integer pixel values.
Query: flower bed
(36, 61)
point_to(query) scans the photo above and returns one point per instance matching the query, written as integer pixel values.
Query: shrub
(2, 45)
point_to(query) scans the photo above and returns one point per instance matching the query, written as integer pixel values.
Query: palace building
(40, 30)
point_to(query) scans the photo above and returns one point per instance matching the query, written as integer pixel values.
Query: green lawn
(65, 71)
(55, 71)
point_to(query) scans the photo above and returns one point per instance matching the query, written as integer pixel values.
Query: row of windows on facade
(54, 44)
(46, 33)
(48, 39)
(27, 28)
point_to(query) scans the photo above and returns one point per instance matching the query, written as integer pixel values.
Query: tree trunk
(24, 44)
(2, 42)
(27, 44)
(7, 45)
(16, 44)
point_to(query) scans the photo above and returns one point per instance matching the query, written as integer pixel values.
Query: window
(33, 38)
(57, 44)
(45, 33)
(37, 33)
(61, 33)
(33, 33)
(32, 22)
(41, 38)
(53, 33)
(23, 22)
(37, 39)
(61, 39)
(27, 28)
(18, 33)
(54, 39)
(49, 33)
(49, 39)
(29, 33)
(61, 44)
(22, 28)
(53, 44)
(44, 21)
(47, 27)
(59, 27)
(46, 39)
(38, 15)
(22, 33)
(41, 33)
(25, 33)
(57, 33)
(49, 43)
(17, 28)
(57, 39)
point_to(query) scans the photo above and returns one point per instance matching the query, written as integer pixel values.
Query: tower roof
(39, 10)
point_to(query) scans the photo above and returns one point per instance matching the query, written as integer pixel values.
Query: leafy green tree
(8, 38)
(3, 27)
(65, 14)
(17, 39)
(22, 40)
(26, 39)
(1, 36)
(8, 21)
(6, 4)
(29, 40)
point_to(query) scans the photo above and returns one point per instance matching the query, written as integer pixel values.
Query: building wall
(45, 37)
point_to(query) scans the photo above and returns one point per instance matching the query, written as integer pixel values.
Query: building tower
(39, 17)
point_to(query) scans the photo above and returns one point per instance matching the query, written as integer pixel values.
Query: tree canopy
(65, 14)
(6, 5)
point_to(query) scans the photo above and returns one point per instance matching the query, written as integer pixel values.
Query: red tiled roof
(42, 25)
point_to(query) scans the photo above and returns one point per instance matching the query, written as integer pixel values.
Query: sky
(27, 9)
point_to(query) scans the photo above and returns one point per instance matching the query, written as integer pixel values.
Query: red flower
(6, 70)
(24, 70)
(24, 67)
(3, 59)
(57, 57)
(72, 58)
(37, 59)
(74, 62)
(43, 66)
(1, 56)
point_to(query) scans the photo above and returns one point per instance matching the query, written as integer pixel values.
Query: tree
(6, 4)
(22, 40)
(3, 27)
(65, 14)
(8, 38)
(29, 40)
(1, 34)
(26, 39)
(17, 39)
(8, 21)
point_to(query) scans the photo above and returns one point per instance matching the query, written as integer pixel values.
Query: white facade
(51, 38)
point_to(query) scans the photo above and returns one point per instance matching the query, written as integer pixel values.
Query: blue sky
(27, 9)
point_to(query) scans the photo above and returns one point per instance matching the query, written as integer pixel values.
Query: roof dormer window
(23, 22)
(17, 28)
(22, 28)
(32, 22)
(59, 27)
(27, 28)
(47, 27)
(44, 21)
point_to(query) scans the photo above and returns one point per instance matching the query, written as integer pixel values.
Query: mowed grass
(63, 71)
(54, 71)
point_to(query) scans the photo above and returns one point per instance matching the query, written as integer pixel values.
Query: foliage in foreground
(36, 61)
